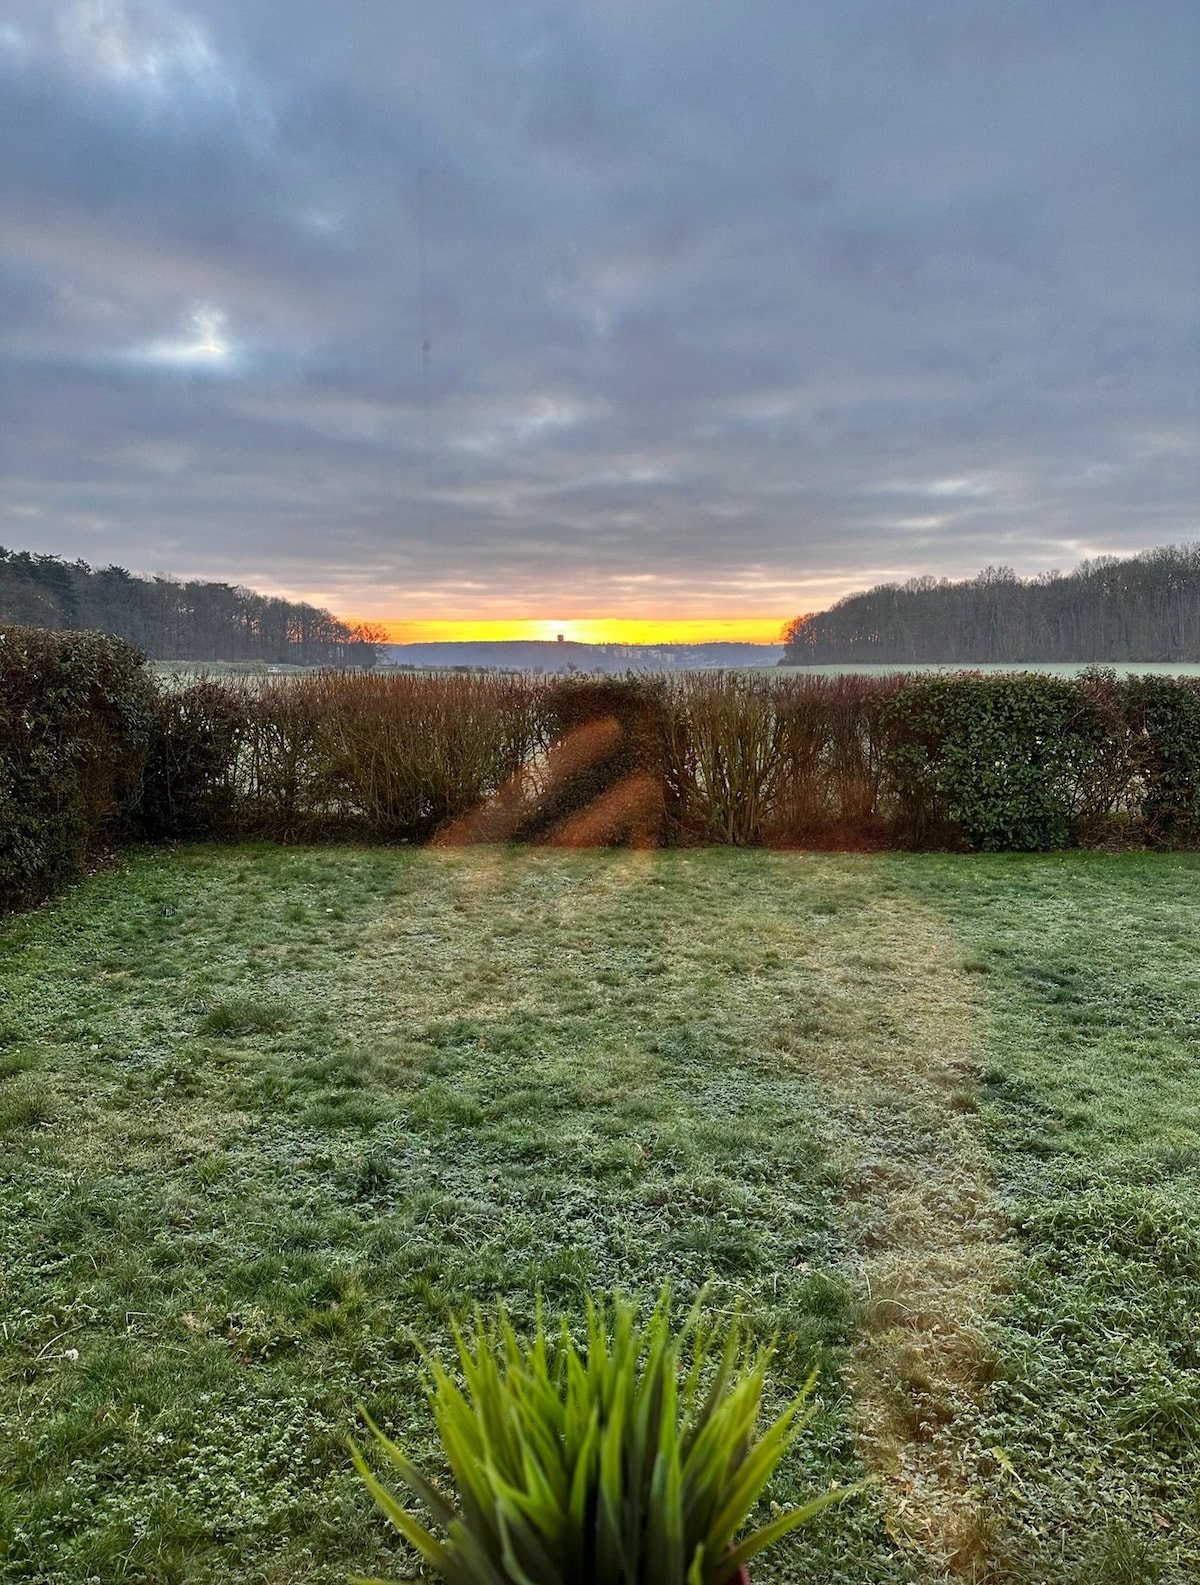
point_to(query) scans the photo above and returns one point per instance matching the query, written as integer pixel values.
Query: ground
(270, 1115)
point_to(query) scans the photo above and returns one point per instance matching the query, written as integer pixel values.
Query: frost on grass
(894, 1036)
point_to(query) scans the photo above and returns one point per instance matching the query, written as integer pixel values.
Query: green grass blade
(526, 1556)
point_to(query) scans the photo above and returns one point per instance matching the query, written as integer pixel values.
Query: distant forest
(1144, 608)
(173, 620)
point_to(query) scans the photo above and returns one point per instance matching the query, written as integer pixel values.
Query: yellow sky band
(595, 630)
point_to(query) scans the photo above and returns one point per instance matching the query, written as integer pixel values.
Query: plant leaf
(427, 1545)
(784, 1525)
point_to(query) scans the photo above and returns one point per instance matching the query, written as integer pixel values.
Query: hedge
(1000, 762)
(93, 749)
(77, 712)
(962, 761)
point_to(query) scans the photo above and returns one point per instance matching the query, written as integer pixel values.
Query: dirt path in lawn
(894, 1033)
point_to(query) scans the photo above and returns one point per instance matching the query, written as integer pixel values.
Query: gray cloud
(729, 308)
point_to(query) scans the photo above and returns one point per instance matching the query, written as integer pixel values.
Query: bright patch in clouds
(505, 426)
(968, 488)
(147, 47)
(204, 345)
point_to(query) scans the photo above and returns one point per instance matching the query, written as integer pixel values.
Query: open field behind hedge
(991, 668)
(935, 1120)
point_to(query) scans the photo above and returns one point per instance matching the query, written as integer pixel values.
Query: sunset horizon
(588, 630)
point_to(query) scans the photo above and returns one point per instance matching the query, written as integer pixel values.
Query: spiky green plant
(632, 1462)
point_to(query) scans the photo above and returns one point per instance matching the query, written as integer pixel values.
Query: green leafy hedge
(76, 719)
(1002, 762)
(1024, 762)
(1166, 713)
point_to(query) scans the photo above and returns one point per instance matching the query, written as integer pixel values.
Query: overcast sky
(728, 307)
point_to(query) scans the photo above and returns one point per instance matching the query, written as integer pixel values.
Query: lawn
(267, 1115)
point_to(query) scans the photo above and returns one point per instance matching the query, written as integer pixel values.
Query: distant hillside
(535, 655)
(1143, 608)
(176, 621)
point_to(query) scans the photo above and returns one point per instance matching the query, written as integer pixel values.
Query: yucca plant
(632, 1462)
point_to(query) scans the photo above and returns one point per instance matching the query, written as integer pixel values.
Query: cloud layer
(465, 309)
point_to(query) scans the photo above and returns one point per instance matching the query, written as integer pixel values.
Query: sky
(449, 313)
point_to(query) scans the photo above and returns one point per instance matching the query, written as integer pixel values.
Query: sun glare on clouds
(147, 47)
(204, 345)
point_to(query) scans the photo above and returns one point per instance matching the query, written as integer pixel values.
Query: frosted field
(1141, 668)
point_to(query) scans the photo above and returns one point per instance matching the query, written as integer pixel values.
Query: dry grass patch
(931, 1249)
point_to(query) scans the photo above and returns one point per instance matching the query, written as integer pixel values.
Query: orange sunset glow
(593, 630)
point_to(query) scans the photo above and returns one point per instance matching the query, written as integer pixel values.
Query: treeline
(93, 749)
(1142, 608)
(172, 620)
